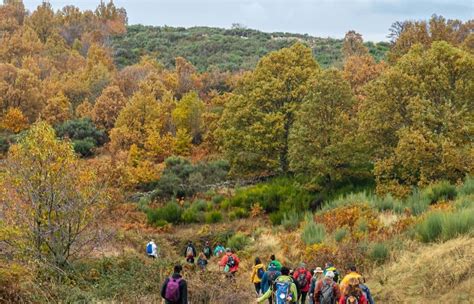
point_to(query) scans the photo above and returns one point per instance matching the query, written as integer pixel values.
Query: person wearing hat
(230, 262)
(317, 275)
(302, 278)
(327, 291)
(353, 293)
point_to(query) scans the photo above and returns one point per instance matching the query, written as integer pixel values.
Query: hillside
(226, 49)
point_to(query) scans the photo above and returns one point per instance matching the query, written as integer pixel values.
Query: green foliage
(183, 179)
(378, 252)
(170, 213)
(467, 188)
(340, 234)
(213, 217)
(238, 213)
(386, 203)
(291, 220)
(313, 233)
(227, 49)
(440, 191)
(190, 215)
(83, 134)
(280, 194)
(217, 199)
(417, 202)
(238, 241)
(438, 226)
(363, 225)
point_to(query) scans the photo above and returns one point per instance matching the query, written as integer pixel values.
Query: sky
(321, 18)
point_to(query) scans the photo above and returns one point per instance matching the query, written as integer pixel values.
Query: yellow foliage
(14, 121)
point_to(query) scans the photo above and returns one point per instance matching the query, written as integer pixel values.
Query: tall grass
(417, 203)
(291, 220)
(440, 191)
(439, 226)
(378, 252)
(313, 233)
(238, 241)
(467, 188)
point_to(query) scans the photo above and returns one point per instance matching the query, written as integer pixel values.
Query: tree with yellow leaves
(13, 121)
(107, 107)
(188, 115)
(50, 197)
(57, 110)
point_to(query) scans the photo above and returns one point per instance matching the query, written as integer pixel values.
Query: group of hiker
(274, 283)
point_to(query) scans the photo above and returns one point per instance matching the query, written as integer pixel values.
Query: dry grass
(428, 274)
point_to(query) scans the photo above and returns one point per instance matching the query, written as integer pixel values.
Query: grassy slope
(439, 273)
(227, 49)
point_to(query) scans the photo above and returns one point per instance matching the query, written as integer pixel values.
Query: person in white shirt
(152, 249)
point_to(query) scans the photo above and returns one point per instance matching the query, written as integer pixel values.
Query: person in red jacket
(302, 278)
(353, 293)
(326, 290)
(230, 262)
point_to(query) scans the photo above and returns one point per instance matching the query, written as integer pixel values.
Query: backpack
(230, 261)
(149, 248)
(272, 275)
(189, 252)
(172, 290)
(366, 292)
(327, 293)
(301, 280)
(351, 300)
(260, 273)
(282, 292)
(207, 251)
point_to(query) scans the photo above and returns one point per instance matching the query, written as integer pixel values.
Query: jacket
(319, 287)
(275, 263)
(308, 278)
(266, 279)
(186, 250)
(254, 277)
(225, 258)
(183, 290)
(362, 300)
(282, 278)
(219, 250)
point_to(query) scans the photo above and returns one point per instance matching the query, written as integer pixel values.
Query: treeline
(405, 122)
(234, 49)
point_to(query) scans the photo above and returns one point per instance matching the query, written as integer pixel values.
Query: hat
(330, 274)
(302, 265)
(318, 270)
(228, 250)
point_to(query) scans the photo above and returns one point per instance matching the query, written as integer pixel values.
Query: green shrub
(291, 220)
(213, 217)
(190, 215)
(467, 188)
(458, 223)
(170, 213)
(340, 234)
(363, 225)
(83, 134)
(276, 218)
(387, 203)
(313, 233)
(378, 252)
(217, 199)
(440, 191)
(417, 202)
(431, 228)
(464, 201)
(238, 213)
(84, 147)
(199, 205)
(349, 199)
(238, 241)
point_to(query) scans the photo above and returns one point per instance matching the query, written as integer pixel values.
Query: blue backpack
(149, 248)
(260, 273)
(282, 292)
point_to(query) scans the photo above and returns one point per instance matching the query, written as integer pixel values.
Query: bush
(387, 203)
(170, 213)
(199, 205)
(431, 228)
(340, 234)
(417, 203)
(190, 215)
(363, 225)
(464, 201)
(276, 218)
(213, 217)
(350, 199)
(291, 220)
(238, 241)
(83, 134)
(467, 188)
(238, 213)
(440, 191)
(313, 233)
(458, 223)
(378, 253)
(217, 199)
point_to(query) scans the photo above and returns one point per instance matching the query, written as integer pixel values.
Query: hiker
(219, 250)
(230, 262)
(207, 250)
(327, 291)
(282, 291)
(175, 289)
(202, 261)
(258, 271)
(152, 249)
(317, 275)
(274, 261)
(302, 278)
(268, 279)
(352, 294)
(366, 291)
(190, 252)
(330, 267)
(352, 274)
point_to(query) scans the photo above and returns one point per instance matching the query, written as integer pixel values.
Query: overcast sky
(322, 18)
